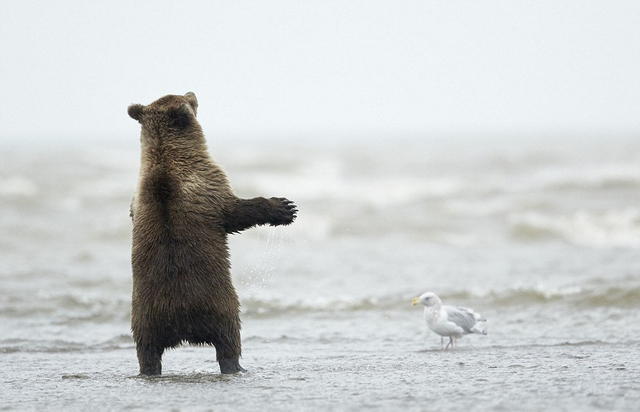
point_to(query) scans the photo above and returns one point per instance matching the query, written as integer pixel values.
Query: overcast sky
(70, 68)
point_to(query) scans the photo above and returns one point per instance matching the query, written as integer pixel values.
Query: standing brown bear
(182, 211)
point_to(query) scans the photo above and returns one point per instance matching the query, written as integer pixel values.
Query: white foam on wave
(327, 179)
(481, 207)
(538, 294)
(589, 176)
(620, 227)
(17, 187)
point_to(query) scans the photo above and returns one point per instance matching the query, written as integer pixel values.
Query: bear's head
(174, 111)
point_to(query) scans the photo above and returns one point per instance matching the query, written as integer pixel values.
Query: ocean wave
(590, 176)
(275, 307)
(592, 294)
(591, 297)
(18, 187)
(62, 346)
(616, 228)
(31, 345)
(324, 179)
(68, 308)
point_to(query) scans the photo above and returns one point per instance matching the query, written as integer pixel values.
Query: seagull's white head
(427, 299)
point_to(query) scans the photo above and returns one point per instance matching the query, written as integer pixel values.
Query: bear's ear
(135, 111)
(191, 98)
(181, 115)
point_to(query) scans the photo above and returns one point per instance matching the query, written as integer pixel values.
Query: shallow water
(542, 238)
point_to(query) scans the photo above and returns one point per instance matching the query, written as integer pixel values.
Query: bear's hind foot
(230, 366)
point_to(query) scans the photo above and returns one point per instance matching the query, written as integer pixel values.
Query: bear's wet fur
(182, 211)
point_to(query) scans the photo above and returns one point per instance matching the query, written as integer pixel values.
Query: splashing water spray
(257, 276)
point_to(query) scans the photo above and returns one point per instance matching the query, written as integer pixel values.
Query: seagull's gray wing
(463, 317)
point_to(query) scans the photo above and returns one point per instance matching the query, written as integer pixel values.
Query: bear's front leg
(245, 213)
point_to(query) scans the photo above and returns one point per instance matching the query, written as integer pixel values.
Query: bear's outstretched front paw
(284, 211)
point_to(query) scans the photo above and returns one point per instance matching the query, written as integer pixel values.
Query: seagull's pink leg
(450, 343)
(442, 342)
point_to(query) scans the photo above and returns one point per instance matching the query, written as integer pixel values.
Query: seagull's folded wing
(463, 317)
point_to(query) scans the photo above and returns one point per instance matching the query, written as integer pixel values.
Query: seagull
(445, 320)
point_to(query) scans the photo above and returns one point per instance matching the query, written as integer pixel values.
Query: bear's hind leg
(150, 359)
(228, 350)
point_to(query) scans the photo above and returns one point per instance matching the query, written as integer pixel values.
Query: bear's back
(179, 241)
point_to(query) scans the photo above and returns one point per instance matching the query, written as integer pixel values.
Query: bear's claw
(285, 213)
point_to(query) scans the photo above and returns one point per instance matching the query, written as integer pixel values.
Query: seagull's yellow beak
(415, 301)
